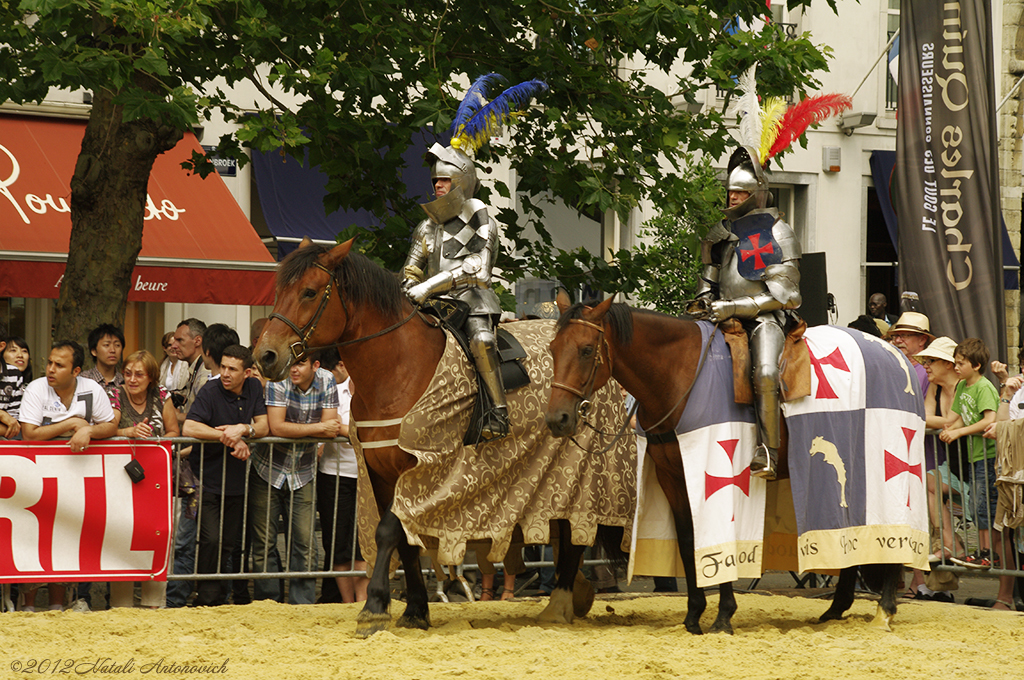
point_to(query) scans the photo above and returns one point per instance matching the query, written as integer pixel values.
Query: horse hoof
(420, 622)
(830, 616)
(559, 609)
(368, 623)
(582, 596)
(693, 628)
(722, 627)
(882, 620)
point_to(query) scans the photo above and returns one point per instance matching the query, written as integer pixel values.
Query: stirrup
(763, 464)
(495, 424)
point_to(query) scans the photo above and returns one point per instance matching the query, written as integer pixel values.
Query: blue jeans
(184, 557)
(984, 496)
(266, 506)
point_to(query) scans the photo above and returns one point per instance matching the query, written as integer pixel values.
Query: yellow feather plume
(771, 116)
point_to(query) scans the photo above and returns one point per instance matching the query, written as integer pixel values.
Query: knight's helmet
(459, 168)
(746, 174)
(454, 164)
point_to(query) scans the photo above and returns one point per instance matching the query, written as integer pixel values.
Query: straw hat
(940, 348)
(912, 322)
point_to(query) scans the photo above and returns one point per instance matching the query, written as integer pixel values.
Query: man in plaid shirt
(305, 405)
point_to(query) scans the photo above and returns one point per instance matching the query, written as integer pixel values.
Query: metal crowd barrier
(953, 512)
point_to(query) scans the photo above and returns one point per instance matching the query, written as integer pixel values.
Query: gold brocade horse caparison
(419, 485)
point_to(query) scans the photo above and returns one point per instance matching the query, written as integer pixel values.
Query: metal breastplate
(731, 282)
(454, 241)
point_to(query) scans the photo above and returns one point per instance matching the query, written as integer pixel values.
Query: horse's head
(306, 288)
(582, 363)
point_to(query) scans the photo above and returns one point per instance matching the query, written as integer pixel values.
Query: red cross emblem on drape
(713, 483)
(757, 251)
(835, 360)
(897, 466)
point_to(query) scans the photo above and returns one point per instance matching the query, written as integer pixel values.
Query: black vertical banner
(946, 180)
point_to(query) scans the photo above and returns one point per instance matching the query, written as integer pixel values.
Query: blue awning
(882, 163)
(291, 194)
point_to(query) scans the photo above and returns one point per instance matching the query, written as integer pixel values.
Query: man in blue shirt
(225, 412)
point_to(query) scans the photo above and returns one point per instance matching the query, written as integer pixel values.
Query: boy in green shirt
(974, 409)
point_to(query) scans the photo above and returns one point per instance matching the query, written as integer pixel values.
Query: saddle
(452, 314)
(794, 367)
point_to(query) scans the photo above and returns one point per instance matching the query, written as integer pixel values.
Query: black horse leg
(842, 600)
(892, 579)
(696, 599)
(416, 613)
(726, 608)
(374, 615)
(567, 566)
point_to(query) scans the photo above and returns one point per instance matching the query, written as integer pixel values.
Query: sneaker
(979, 560)
(943, 596)
(80, 606)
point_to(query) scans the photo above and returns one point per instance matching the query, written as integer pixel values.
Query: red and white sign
(189, 220)
(78, 517)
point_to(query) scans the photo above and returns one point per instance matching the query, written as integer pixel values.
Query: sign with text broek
(78, 517)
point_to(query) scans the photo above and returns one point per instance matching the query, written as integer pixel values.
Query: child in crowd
(974, 409)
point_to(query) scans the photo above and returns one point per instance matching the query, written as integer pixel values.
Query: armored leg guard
(766, 344)
(485, 352)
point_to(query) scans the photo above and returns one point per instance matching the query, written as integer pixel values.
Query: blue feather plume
(485, 121)
(473, 100)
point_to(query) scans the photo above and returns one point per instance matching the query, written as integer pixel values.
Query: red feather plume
(805, 113)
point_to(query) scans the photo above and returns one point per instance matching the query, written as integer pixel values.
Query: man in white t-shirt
(64, 404)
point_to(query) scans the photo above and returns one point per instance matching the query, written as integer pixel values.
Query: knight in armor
(453, 250)
(752, 273)
(452, 254)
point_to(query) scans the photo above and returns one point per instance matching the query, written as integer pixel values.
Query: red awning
(197, 245)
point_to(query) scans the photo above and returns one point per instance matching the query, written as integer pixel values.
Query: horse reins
(300, 349)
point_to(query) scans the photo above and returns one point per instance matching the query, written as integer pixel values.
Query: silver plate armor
(456, 258)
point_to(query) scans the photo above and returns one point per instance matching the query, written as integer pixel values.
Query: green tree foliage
(668, 260)
(372, 75)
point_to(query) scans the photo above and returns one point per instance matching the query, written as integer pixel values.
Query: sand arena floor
(638, 637)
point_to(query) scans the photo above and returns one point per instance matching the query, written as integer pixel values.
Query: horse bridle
(300, 348)
(583, 407)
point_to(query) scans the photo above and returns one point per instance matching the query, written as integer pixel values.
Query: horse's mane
(360, 280)
(619, 318)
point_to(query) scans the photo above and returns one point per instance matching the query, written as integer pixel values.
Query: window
(892, 25)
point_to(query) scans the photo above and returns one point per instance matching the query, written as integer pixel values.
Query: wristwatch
(252, 431)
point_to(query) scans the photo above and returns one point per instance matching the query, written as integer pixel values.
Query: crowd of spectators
(234, 497)
(963, 405)
(231, 501)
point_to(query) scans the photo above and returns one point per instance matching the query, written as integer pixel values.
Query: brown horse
(655, 358)
(329, 297)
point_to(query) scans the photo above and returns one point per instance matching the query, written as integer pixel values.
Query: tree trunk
(108, 206)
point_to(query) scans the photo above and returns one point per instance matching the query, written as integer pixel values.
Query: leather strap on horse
(300, 349)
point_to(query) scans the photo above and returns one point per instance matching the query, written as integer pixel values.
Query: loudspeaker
(813, 289)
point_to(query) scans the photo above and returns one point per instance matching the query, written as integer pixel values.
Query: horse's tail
(610, 540)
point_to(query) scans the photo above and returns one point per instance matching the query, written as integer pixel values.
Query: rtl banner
(79, 516)
(946, 181)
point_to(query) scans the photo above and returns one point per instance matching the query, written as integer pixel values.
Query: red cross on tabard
(835, 360)
(897, 466)
(741, 481)
(767, 249)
